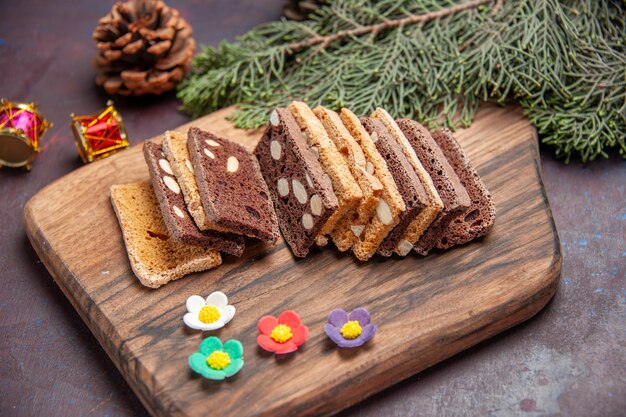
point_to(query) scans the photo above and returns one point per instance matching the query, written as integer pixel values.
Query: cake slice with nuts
(349, 229)
(301, 191)
(476, 220)
(454, 197)
(175, 214)
(434, 205)
(373, 233)
(346, 189)
(232, 190)
(177, 153)
(409, 186)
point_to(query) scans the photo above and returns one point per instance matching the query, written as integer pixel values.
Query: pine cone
(300, 9)
(144, 46)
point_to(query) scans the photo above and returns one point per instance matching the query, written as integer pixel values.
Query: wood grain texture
(427, 309)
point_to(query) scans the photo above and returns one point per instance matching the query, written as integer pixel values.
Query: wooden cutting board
(426, 309)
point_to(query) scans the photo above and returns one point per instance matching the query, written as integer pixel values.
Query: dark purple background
(569, 360)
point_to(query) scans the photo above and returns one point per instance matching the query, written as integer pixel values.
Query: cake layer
(344, 185)
(233, 192)
(476, 220)
(409, 186)
(302, 193)
(373, 233)
(177, 219)
(454, 197)
(177, 153)
(434, 205)
(349, 229)
(155, 257)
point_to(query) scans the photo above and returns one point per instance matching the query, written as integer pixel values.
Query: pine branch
(563, 61)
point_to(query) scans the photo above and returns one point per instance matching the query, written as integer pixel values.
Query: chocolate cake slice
(233, 192)
(455, 198)
(434, 204)
(177, 219)
(177, 153)
(408, 183)
(477, 220)
(301, 190)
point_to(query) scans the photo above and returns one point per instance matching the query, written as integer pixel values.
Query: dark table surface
(568, 360)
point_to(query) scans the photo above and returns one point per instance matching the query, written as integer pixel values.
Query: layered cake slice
(233, 192)
(155, 257)
(455, 198)
(477, 220)
(346, 189)
(370, 238)
(350, 228)
(434, 205)
(174, 210)
(409, 185)
(301, 191)
(177, 153)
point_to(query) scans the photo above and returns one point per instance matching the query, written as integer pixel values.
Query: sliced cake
(346, 189)
(174, 210)
(155, 257)
(177, 153)
(455, 198)
(301, 191)
(233, 192)
(434, 204)
(373, 233)
(350, 228)
(477, 220)
(409, 185)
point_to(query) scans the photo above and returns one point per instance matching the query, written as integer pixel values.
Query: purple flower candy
(351, 330)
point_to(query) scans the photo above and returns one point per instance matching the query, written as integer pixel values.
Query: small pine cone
(300, 9)
(144, 47)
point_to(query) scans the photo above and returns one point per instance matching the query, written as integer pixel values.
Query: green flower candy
(216, 361)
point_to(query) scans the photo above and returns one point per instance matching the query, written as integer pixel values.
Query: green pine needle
(563, 62)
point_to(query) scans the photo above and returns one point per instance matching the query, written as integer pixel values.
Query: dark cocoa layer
(232, 190)
(177, 219)
(452, 193)
(476, 220)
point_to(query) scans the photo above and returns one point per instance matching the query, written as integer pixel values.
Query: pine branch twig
(388, 24)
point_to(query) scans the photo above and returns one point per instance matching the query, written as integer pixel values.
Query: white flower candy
(210, 314)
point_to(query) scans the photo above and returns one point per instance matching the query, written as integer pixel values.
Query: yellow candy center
(281, 333)
(218, 360)
(351, 330)
(208, 314)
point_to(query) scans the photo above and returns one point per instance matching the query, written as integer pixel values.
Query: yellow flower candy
(281, 333)
(208, 314)
(218, 360)
(351, 330)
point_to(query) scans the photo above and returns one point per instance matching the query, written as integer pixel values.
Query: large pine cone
(144, 46)
(300, 9)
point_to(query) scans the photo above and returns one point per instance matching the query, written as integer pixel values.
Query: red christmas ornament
(99, 135)
(21, 129)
